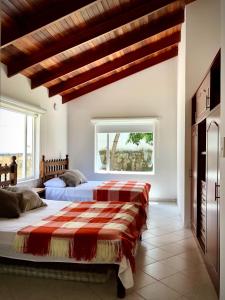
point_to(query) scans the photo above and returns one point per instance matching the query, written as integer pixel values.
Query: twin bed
(112, 190)
(78, 234)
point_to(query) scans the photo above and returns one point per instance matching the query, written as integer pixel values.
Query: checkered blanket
(115, 190)
(86, 231)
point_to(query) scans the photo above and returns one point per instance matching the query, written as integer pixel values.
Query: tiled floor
(169, 267)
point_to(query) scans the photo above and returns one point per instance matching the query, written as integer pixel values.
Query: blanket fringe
(107, 251)
(20, 243)
(59, 248)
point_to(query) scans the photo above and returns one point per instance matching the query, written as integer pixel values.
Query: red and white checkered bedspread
(81, 230)
(126, 191)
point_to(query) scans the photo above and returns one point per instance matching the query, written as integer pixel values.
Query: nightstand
(40, 192)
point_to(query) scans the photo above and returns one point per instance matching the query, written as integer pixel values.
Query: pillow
(31, 200)
(55, 182)
(79, 175)
(10, 204)
(70, 179)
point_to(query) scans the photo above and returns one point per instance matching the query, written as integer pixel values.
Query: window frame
(28, 110)
(126, 121)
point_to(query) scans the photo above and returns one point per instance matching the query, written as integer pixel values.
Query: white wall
(202, 41)
(222, 160)
(53, 123)
(181, 96)
(202, 21)
(151, 92)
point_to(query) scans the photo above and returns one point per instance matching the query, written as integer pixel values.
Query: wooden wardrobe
(205, 179)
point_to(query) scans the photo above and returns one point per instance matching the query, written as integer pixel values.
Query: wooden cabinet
(203, 98)
(194, 162)
(208, 94)
(205, 181)
(213, 185)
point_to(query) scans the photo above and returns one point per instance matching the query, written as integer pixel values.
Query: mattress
(9, 227)
(82, 192)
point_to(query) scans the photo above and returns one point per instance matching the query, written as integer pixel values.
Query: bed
(111, 230)
(112, 190)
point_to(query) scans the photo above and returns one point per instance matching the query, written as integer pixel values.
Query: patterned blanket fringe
(107, 251)
(59, 248)
(20, 243)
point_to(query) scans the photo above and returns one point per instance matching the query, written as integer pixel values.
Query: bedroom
(67, 128)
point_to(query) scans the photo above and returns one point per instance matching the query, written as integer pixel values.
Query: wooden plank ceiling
(73, 47)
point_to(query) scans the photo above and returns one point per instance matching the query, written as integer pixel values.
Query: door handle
(207, 99)
(217, 191)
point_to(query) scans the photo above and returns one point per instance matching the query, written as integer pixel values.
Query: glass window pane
(30, 160)
(12, 132)
(101, 152)
(131, 151)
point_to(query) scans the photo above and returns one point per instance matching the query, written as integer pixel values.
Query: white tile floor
(169, 267)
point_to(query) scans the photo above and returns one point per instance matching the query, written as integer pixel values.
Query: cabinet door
(194, 163)
(203, 98)
(212, 223)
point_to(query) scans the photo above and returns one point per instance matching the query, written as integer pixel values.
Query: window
(19, 130)
(125, 145)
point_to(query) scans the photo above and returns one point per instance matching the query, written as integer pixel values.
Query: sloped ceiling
(75, 47)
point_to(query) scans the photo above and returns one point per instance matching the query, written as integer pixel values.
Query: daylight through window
(18, 133)
(121, 148)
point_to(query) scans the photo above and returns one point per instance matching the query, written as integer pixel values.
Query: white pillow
(55, 182)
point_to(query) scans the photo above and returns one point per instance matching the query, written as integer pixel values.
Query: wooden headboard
(8, 174)
(53, 167)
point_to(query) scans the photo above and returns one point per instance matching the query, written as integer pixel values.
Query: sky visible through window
(12, 130)
(122, 142)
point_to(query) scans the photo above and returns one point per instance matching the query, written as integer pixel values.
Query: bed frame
(53, 167)
(49, 169)
(8, 174)
(30, 268)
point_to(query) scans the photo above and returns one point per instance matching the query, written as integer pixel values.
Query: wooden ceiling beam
(76, 38)
(189, 1)
(110, 47)
(117, 76)
(115, 64)
(27, 23)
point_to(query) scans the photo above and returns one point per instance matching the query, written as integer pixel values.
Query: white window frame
(109, 122)
(32, 110)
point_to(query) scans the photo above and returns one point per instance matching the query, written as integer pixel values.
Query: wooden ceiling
(73, 47)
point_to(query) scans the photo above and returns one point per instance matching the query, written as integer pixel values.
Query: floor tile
(133, 296)
(192, 256)
(159, 270)
(142, 279)
(147, 244)
(173, 249)
(158, 291)
(180, 263)
(159, 231)
(143, 260)
(200, 275)
(201, 292)
(158, 254)
(180, 283)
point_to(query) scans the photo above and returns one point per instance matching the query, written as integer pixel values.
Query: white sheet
(82, 192)
(9, 227)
